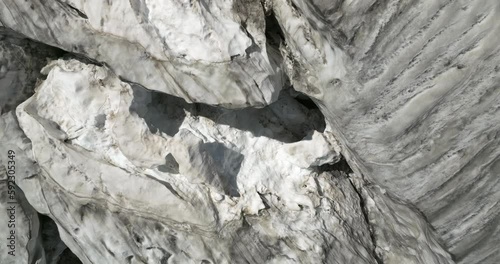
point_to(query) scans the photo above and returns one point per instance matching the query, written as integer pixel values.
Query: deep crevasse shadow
(56, 252)
(160, 111)
(287, 120)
